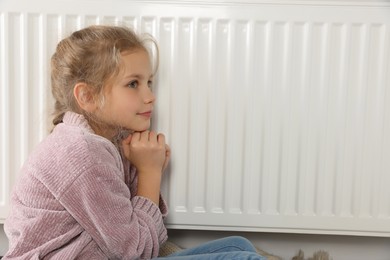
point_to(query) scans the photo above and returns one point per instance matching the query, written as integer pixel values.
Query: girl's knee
(240, 239)
(241, 242)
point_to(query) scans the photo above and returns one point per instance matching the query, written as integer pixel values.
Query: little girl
(91, 189)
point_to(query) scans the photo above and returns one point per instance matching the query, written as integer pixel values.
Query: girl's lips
(147, 114)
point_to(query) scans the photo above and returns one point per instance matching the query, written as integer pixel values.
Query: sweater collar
(72, 118)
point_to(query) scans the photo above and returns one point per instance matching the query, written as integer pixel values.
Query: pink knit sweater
(76, 199)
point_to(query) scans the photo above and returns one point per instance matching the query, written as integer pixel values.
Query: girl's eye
(133, 84)
(150, 84)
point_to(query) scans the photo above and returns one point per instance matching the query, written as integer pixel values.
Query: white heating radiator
(277, 112)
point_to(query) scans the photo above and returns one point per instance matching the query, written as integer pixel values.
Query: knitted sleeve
(131, 180)
(124, 229)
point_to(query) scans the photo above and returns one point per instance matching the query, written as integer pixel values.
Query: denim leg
(234, 247)
(233, 255)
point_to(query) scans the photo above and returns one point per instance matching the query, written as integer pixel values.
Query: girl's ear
(84, 97)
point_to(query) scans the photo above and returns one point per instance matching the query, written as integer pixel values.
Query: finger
(167, 149)
(161, 139)
(136, 137)
(145, 135)
(153, 136)
(127, 140)
(167, 156)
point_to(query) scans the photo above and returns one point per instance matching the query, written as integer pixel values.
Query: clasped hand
(147, 151)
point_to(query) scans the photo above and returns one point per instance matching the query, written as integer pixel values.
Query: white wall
(284, 245)
(276, 113)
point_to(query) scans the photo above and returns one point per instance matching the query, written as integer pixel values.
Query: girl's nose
(149, 96)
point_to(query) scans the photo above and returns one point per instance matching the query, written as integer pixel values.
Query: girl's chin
(137, 129)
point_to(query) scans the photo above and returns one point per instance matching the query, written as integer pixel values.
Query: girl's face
(128, 100)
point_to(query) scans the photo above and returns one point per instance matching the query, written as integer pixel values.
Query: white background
(336, 103)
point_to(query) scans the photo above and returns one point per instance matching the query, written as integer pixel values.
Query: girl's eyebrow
(138, 76)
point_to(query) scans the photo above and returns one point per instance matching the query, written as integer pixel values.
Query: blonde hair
(92, 56)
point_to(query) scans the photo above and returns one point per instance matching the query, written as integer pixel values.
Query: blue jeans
(232, 248)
